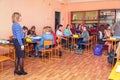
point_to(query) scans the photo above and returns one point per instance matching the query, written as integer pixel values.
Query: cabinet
(91, 18)
(117, 15)
(96, 17)
(77, 17)
(107, 16)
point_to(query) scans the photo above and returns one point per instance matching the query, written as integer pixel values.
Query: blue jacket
(18, 32)
(47, 36)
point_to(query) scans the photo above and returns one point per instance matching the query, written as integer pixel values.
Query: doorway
(57, 19)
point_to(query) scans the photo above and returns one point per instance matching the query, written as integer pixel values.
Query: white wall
(34, 12)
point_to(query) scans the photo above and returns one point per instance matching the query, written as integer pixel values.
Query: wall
(34, 12)
(42, 12)
(95, 5)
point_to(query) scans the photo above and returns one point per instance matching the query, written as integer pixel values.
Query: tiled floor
(70, 67)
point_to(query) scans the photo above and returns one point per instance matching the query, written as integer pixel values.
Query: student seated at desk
(107, 34)
(54, 35)
(73, 29)
(59, 33)
(25, 30)
(100, 34)
(67, 30)
(32, 31)
(45, 36)
(79, 29)
(83, 38)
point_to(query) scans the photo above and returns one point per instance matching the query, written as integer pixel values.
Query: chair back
(90, 39)
(59, 41)
(10, 38)
(118, 55)
(47, 43)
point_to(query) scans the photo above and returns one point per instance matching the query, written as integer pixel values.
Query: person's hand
(22, 47)
(38, 42)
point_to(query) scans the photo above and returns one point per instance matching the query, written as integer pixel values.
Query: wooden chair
(117, 57)
(49, 51)
(2, 59)
(94, 39)
(29, 48)
(58, 47)
(10, 38)
(90, 43)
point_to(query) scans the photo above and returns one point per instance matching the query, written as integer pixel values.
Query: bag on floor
(111, 58)
(98, 50)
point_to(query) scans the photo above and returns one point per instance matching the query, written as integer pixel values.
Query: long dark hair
(60, 26)
(67, 26)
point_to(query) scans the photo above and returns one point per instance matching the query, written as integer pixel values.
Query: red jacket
(54, 35)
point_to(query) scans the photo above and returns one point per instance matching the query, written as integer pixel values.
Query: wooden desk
(114, 75)
(113, 41)
(67, 40)
(74, 40)
(11, 50)
(29, 47)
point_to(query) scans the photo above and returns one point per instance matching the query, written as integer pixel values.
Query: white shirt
(100, 35)
(59, 33)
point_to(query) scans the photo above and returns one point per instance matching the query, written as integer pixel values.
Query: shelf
(85, 20)
(109, 16)
(91, 20)
(106, 19)
(77, 20)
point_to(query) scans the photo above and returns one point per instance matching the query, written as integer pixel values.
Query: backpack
(98, 50)
(111, 56)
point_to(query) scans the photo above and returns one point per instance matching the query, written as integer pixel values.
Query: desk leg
(68, 43)
(1, 66)
(14, 54)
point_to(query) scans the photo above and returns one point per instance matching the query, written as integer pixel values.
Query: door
(57, 19)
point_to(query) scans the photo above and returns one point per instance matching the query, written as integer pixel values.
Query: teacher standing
(18, 40)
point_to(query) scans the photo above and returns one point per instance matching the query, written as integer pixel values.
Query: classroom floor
(70, 67)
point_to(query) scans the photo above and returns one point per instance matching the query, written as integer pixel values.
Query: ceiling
(70, 1)
(82, 0)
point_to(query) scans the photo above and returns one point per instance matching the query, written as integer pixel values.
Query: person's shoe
(17, 72)
(40, 56)
(29, 55)
(36, 55)
(60, 53)
(77, 51)
(80, 51)
(22, 72)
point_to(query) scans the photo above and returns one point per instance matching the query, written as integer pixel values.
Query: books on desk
(118, 37)
(2, 41)
(118, 68)
(67, 34)
(35, 39)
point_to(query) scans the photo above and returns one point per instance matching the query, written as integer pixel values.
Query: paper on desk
(118, 68)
